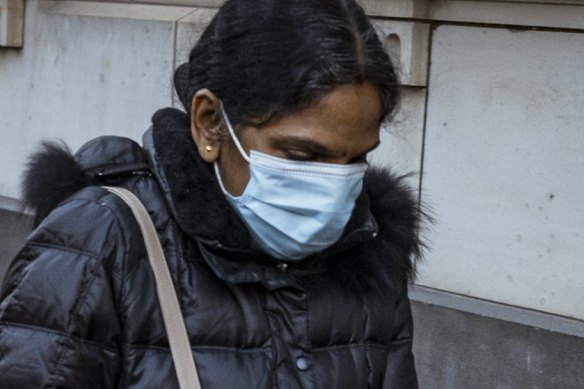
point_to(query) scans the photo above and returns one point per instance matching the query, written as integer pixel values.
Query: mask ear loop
(239, 147)
(232, 133)
(220, 181)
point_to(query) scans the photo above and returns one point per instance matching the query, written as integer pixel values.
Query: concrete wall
(491, 119)
(504, 156)
(81, 76)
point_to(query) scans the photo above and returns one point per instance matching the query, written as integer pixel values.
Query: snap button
(302, 364)
(282, 266)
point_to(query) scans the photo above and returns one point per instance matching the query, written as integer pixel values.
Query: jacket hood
(383, 232)
(53, 173)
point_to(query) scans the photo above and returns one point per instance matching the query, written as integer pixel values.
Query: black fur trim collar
(197, 201)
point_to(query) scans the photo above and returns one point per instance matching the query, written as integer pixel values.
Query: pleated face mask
(295, 208)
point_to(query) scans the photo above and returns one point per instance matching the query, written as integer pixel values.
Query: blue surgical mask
(294, 209)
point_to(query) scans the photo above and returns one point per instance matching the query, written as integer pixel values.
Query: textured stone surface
(457, 350)
(503, 167)
(79, 77)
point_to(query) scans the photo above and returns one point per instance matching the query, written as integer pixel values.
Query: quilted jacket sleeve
(400, 371)
(59, 326)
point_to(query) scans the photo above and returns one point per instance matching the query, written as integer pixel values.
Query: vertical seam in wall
(173, 65)
(425, 121)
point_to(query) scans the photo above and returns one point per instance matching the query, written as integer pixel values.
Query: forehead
(349, 114)
(354, 104)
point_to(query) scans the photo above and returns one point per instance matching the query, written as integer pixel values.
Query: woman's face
(342, 128)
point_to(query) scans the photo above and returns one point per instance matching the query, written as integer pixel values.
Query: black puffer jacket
(80, 310)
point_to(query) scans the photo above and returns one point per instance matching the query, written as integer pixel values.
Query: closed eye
(299, 155)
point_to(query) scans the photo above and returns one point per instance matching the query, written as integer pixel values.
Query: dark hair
(268, 58)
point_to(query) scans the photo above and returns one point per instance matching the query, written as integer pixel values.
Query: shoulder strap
(178, 339)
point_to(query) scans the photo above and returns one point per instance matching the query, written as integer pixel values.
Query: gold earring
(208, 148)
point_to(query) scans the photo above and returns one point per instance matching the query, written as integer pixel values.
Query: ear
(206, 124)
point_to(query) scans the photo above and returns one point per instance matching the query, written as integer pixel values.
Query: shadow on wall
(460, 350)
(14, 227)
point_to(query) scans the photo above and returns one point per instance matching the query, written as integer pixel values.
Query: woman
(289, 255)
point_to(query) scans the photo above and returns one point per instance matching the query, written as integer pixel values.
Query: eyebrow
(312, 146)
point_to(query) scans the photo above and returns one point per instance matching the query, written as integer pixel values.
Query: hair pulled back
(265, 59)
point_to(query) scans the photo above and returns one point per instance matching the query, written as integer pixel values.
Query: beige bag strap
(178, 339)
